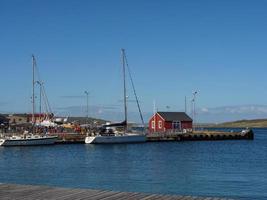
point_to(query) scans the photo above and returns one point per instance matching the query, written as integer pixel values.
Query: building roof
(175, 116)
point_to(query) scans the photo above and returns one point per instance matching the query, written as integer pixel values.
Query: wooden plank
(151, 196)
(80, 194)
(51, 193)
(13, 191)
(29, 192)
(104, 195)
(117, 196)
(75, 194)
(133, 196)
(96, 194)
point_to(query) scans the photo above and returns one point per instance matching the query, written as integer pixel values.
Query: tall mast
(33, 97)
(185, 104)
(124, 87)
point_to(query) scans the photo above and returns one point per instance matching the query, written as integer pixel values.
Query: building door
(176, 126)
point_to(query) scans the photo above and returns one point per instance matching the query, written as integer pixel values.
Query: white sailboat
(107, 136)
(33, 138)
(27, 140)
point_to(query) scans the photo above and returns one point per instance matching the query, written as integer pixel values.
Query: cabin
(170, 122)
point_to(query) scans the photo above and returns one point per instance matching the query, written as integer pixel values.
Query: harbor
(136, 100)
(180, 168)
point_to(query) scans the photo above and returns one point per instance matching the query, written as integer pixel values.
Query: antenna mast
(124, 87)
(33, 96)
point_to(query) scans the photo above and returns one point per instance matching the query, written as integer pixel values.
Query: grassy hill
(255, 123)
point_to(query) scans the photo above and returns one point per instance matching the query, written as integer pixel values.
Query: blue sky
(173, 48)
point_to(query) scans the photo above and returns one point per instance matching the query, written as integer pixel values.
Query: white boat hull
(118, 139)
(46, 140)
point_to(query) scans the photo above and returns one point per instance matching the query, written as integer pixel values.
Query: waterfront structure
(170, 121)
(27, 118)
(106, 133)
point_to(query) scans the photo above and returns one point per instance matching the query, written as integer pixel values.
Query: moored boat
(27, 140)
(106, 134)
(125, 138)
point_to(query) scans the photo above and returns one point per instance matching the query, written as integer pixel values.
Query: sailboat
(33, 138)
(106, 135)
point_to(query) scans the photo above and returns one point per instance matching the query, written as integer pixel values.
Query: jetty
(201, 136)
(75, 138)
(30, 192)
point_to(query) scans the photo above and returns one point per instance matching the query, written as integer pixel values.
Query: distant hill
(254, 123)
(84, 120)
(80, 120)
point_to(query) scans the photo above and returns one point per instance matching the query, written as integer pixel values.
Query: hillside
(255, 123)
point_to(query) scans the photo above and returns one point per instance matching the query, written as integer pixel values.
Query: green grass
(255, 123)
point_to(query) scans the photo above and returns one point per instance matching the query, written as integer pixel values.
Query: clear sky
(218, 48)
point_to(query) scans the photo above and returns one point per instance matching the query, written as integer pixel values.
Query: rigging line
(47, 104)
(46, 99)
(136, 98)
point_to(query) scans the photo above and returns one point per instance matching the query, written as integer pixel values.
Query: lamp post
(86, 93)
(194, 108)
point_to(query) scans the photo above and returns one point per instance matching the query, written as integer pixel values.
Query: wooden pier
(75, 138)
(201, 136)
(30, 192)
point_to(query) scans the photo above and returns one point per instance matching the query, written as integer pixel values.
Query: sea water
(231, 168)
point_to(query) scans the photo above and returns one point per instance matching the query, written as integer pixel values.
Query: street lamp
(194, 108)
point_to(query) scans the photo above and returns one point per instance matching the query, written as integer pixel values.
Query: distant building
(3, 120)
(170, 121)
(26, 118)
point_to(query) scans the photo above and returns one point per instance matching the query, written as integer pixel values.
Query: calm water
(236, 169)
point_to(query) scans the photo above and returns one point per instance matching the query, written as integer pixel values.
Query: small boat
(106, 135)
(28, 140)
(125, 138)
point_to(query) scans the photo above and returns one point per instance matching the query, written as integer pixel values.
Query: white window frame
(153, 124)
(160, 124)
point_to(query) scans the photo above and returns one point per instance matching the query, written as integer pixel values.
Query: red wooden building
(169, 121)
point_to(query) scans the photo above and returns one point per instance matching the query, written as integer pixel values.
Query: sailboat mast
(124, 87)
(33, 95)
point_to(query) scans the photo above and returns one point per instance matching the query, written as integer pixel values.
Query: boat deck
(30, 192)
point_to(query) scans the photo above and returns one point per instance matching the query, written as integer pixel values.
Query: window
(153, 124)
(160, 124)
(176, 125)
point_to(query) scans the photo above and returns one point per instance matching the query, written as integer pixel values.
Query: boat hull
(118, 139)
(48, 140)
